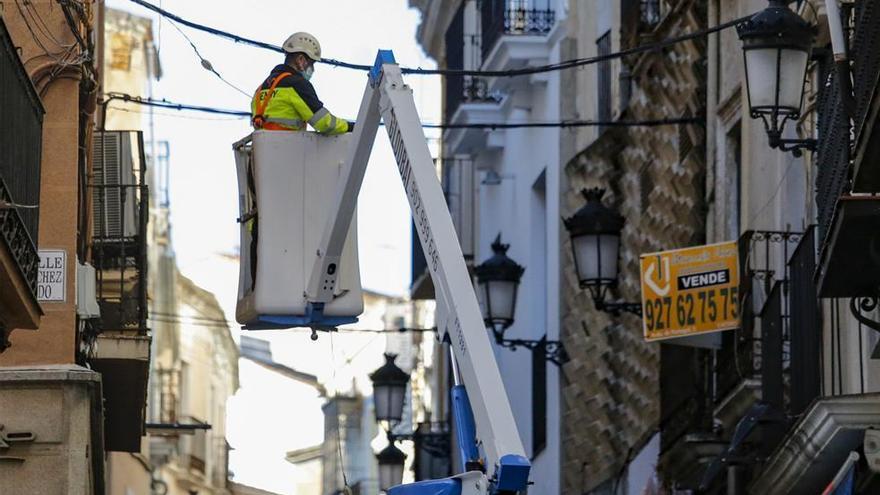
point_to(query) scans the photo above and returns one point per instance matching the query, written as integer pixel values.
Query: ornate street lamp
(595, 241)
(776, 46)
(390, 461)
(498, 279)
(389, 390)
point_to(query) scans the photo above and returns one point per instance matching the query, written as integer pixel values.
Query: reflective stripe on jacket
(294, 104)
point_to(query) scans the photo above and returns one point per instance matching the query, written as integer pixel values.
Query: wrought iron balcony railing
(866, 59)
(120, 258)
(120, 208)
(21, 134)
(15, 234)
(433, 452)
(513, 17)
(461, 47)
(833, 158)
(764, 263)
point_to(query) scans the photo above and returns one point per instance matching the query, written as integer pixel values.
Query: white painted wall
(525, 208)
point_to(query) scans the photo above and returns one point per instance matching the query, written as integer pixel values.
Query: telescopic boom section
(387, 96)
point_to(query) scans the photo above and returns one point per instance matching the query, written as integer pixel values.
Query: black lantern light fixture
(595, 241)
(389, 390)
(776, 46)
(389, 394)
(390, 461)
(498, 281)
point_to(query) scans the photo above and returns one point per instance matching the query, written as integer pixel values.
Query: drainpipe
(841, 61)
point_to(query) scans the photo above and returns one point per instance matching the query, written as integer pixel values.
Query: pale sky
(270, 415)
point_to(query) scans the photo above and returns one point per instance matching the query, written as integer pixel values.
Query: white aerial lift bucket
(286, 183)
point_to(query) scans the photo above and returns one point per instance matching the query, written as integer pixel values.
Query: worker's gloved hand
(350, 127)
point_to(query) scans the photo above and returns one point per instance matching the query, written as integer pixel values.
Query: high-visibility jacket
(292, 104)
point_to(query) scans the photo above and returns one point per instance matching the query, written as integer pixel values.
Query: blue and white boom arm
(387, 97)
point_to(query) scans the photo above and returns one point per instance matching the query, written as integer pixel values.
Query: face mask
(307, 74)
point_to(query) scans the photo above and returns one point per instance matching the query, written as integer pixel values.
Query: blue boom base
(447, 486)
(314, 318)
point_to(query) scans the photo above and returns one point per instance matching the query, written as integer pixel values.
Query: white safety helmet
(304, 43)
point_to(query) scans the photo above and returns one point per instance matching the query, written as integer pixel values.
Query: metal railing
(15, 234)
(433, 452)
(513, 17)
(764, 262)
(119, 254)
(463, 89)
(806, 323)
(21, 134)
(833, 154)
(866, 59)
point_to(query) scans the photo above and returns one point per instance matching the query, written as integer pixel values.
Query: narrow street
(440, 247)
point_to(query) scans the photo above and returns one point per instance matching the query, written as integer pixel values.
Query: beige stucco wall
(128, 50)
(54, 342)
(55, 404)
(205, 359)
(128, 474)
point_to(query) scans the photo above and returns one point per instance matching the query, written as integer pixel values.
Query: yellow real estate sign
(690, 291)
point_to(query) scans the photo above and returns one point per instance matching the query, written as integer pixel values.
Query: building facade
(56, 404)
(194, 373)
(653, 175)
(666, 131)
(77, 229)
(507, 183)
(193, 366)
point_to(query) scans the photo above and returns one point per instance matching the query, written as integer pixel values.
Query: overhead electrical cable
(479, 125)
(206, 64)
(566, 64)
(207, 321)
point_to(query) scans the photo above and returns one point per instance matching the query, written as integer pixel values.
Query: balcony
(513, 18)
(849, 215)
(766, 286)
(773, 357)
(433, 452)
(21, 131)
(119, 254)
(866, 75)
(465, 96)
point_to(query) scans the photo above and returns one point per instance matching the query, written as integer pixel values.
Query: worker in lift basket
(286, 101)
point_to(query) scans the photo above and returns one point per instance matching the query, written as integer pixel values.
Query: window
(603, 107)
(732, 176)
(121, 46)
(454, 39)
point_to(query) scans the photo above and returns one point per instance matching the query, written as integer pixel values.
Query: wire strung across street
(566, 64)
(152, 102)
(206, 321)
